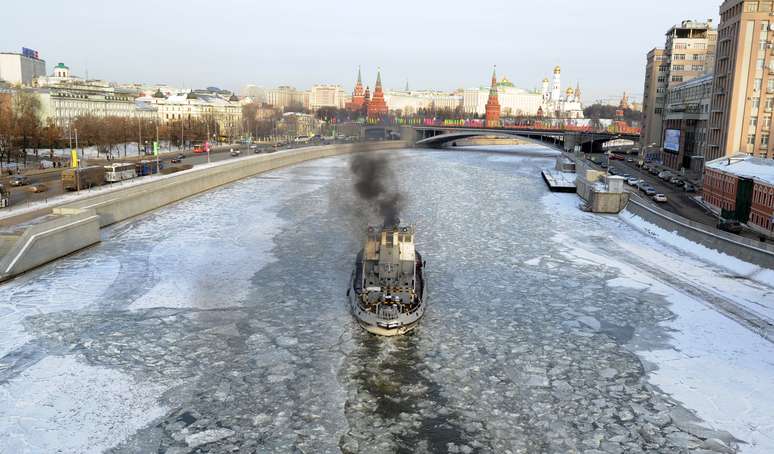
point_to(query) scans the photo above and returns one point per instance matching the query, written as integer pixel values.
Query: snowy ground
(219, 324)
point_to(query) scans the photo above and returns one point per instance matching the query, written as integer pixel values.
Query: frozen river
(220, 324)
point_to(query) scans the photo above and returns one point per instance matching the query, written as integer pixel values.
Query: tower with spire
(377, 107)
(556, 89)
(493, 104)
(358, 95)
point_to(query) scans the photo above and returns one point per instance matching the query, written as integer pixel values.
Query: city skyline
(243, 47)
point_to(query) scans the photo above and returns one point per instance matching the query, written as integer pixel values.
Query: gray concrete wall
(44, 242)
(79, 222)
(751, 251)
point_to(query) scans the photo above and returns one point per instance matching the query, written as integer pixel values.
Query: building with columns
(326, 96)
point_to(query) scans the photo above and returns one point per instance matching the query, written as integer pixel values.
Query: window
(750, 139)
(756, 103)
(767, 122)
(678, 67)
(759, 63)
(700, 67)
(751, 7)
(757, 85)
(661, 79)
(698, 57)
(678, 57)
(679, 79)
(764, 140)
(769, 102)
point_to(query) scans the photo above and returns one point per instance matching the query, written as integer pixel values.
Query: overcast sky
(434, 44)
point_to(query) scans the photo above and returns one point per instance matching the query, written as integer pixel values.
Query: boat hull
(374, 324)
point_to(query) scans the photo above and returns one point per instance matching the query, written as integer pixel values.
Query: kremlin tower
(493, 105)
(366, 100)
(377, 107)
(358, 96)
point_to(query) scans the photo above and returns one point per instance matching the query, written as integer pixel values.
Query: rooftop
(759, 169)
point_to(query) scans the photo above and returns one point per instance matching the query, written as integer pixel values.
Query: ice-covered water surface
(230, 308)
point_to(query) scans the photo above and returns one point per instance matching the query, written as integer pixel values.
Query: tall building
(378, 106)
(689, 52)
(686, 118)
(358, 95)
(654, 95)
(284, 96)
(492, 105)
(326, 96)
(22, 68)
(743, 91)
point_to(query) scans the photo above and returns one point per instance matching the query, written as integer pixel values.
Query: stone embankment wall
(761, 254)
(77, 224)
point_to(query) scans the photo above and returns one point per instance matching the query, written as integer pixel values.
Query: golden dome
(545, 80)
(570, 91)
(557, 70)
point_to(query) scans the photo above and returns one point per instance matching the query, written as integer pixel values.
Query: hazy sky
(434, 44)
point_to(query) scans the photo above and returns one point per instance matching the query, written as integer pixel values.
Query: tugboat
(388, 287)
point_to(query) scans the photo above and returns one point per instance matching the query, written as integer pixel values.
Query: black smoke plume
(375, 184)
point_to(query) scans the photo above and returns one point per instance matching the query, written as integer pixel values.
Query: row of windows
(760, 220)
(754, 7)
(764, 195)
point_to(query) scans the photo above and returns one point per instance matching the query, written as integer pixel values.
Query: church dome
(570, 91)
(557, 70)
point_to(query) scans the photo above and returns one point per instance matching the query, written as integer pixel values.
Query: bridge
(563, 139)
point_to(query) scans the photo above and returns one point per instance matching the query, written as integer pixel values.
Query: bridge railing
(561, 125)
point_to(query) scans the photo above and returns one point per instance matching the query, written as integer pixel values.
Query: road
(20, 196)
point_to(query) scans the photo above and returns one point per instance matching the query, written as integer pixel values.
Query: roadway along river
(220, 324)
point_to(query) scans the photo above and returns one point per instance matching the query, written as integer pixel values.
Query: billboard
(30, 53)
(672, 140)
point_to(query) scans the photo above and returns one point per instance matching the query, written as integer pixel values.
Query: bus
(201, 147)
(120, 172)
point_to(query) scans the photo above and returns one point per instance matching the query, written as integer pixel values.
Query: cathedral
(557, 104)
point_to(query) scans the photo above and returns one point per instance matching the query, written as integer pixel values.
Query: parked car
(603, 165)
(37, 187)
(612, 171)
(689, 187)
(626, 175)
(649, 191)
(254, 147)
(642, 185)
(178, 158)
(730, 226)
(632, 181)
(236, 152)
(256, 150)
(629, 159)
(665, 175)
(676, 180)
(19, 180)
(660, 198)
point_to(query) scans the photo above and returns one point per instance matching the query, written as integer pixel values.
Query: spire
(359, 77)
(493, 88)
(378, 86)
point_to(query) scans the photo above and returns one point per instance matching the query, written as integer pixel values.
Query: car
(603, 165)
(676, 180)
(632, 181)
(660, 198)
(19, 180)
(665, 175)
(612, 171)
(178, 158)
(649, 191)
(642, 185)
(256, 150)
(234, 152)
(254, 147)
(626, 175)
(37, 187)
(730, 226)
(689, 187)
(629, 159)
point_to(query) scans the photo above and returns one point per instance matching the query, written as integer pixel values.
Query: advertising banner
(672, 140)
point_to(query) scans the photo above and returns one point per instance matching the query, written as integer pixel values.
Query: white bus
(119, 172)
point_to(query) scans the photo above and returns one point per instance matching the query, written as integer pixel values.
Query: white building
(285, 96)
(326, 96)
(513, 101)
(20, 69)
(409, 102)
(556, 104)
(197, 105)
